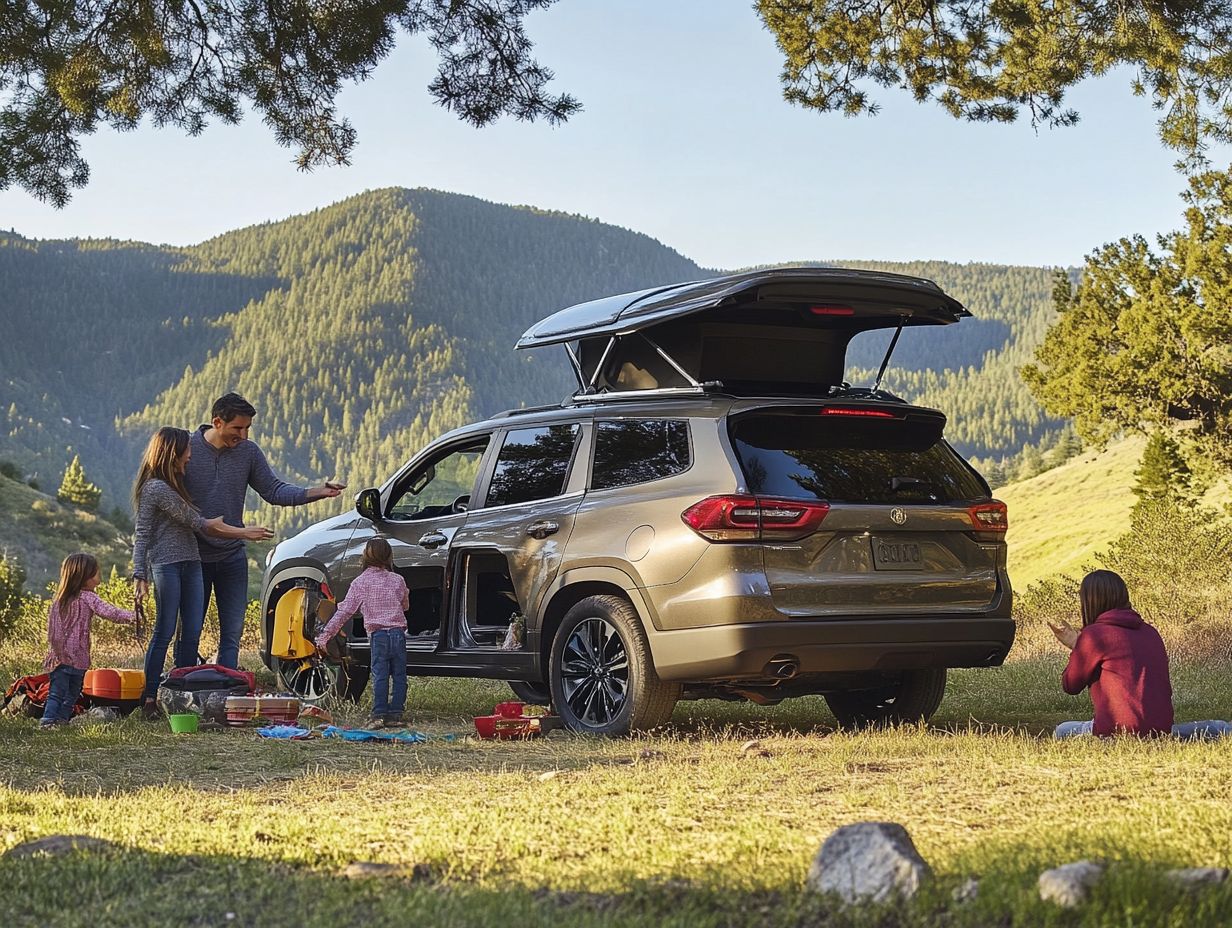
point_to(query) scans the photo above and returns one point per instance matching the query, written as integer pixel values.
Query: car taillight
(754, 518)
(989, 517)
(856, 411)
(832, 310)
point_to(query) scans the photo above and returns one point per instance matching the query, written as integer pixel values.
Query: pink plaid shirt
(68, 629)
(380, 596)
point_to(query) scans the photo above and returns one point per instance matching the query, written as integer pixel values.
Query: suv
(713, 514)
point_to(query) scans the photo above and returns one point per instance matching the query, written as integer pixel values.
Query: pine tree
(76, 490)
(12, 581)
(1162, 474)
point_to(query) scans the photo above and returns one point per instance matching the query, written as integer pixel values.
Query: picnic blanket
(295, 733)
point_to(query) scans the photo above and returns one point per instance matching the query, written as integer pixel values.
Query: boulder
(1070, 884)
(868, 861)
(1198, 876)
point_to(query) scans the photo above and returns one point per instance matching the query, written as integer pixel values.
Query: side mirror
(368, 504)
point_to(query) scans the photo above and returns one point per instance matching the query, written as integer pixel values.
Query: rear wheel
(535, 694)
(914, 697)
(601, 676)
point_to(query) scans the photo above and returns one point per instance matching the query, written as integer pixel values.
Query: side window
(533, 464)
(637, 450)
(439, 487)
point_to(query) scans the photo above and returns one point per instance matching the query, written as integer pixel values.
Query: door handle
(432, 540)
(542, 529)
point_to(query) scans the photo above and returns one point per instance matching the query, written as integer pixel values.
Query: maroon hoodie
(1122, 659)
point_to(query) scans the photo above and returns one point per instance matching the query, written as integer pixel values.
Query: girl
(68, 634)
(1122, 659)
(381, 596)
(165, 550)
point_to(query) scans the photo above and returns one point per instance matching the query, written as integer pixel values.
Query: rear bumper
(746, 652)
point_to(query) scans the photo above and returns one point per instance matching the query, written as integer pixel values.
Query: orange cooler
(110, 687)
(107, 683)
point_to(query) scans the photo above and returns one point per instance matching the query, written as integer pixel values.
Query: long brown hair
(76, 570)
(1101, 590)
(378, 553)
(166, 447)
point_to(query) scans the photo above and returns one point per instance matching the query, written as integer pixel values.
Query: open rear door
(781, 330)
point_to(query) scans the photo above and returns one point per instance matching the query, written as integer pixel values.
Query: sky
(684, 136)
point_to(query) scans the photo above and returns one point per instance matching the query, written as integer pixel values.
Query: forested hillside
(364, 329)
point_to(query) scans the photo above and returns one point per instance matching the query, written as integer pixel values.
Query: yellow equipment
(291, 636)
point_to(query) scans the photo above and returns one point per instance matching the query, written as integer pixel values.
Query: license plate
(897, 555)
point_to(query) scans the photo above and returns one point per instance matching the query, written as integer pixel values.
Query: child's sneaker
(375, 723)
(394, 720)
(49, 724)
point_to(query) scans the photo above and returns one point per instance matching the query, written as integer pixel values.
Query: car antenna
(902, 321)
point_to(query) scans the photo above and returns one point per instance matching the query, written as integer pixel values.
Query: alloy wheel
(595, 672)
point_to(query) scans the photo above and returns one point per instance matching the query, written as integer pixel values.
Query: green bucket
(184, 724)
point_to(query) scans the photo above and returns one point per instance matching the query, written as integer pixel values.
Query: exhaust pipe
(783, 668)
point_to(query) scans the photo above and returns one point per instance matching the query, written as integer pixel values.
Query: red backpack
(28, 696)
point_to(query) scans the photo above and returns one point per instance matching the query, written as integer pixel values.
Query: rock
(967, 891)
(365, 869)
(649, 754)
(1070, 885)
(548, 775)
(58, 845)
(1197, 876)
(368, 869)
(868, 861)
(753, 749)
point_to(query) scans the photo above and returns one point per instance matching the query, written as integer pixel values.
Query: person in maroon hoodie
(1123, 660)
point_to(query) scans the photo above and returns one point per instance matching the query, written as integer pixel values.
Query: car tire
(601, 675)
(914, 698)
(534, 694)
(318, 680)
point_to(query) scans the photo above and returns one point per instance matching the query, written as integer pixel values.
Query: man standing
(224, 464)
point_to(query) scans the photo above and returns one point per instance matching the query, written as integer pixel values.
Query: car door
(526, 515)
(425, 507)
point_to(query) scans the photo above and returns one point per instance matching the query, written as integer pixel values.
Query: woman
(165, 550)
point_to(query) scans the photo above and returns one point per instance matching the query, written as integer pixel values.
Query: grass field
(1060, 519)
(681, 828)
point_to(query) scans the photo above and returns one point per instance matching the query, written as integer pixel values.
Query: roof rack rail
(615, 396)
(526, 410)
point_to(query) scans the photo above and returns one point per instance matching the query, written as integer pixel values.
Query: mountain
(364, 329)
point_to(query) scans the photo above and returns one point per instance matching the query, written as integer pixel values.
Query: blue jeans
(179, 597)
(1209, 730)
(65, 690)
(228, 581)
(388, 663)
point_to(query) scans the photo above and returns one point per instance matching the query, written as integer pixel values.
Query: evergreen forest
(365, 329)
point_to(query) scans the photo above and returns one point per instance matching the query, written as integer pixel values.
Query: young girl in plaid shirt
(68, 634)
(380, 595)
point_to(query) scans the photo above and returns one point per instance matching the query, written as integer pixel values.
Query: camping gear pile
(203, 690)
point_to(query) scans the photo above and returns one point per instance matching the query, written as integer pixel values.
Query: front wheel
(313, 680)
(601, 675)
(914, 697)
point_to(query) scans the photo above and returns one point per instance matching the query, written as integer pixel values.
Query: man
(224, 464)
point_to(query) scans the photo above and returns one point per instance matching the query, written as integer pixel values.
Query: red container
(509, 710)
(500, 726)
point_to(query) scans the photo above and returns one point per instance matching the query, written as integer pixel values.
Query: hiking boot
(150, 711)
(394, 720)
(375, 723)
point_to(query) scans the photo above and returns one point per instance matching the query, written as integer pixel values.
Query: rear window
(803, 456)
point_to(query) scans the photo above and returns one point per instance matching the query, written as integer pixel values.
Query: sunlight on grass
(679, 828)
